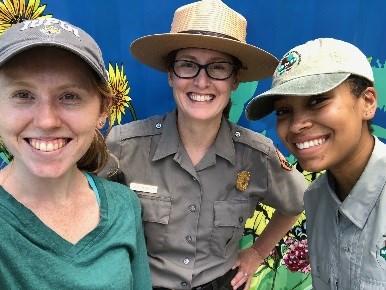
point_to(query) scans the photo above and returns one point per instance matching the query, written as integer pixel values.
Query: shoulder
(314, 191)
(115, 190)
(251, 139)
(141, 128)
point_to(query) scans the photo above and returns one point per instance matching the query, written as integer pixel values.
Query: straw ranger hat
(206, 24)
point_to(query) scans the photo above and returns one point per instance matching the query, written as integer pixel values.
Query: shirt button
(194, 178)
(346, 248)
(241, 219)
(186, 261)
(192, 208)
(158, 125)
(184, 284)
(188, 239)
(237, 134)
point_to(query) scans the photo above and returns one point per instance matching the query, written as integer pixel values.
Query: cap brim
(26, 45)
(262, 105)
(152, 49)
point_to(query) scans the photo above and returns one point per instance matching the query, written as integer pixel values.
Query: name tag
(143, 187)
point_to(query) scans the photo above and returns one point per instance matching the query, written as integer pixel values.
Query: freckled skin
(34, 106)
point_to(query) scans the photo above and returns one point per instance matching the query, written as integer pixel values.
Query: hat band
(210, 33)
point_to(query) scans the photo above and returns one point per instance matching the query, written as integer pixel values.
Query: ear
(236, 80)
(170, 81)
(102, 120)
(369, 96)
(104, 112)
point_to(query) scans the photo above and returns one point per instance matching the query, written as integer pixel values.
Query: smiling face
(327, 131)
(202, 98)
(49, 110)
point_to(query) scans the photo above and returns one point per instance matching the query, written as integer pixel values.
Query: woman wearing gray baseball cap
(62, 227)
(324, 98)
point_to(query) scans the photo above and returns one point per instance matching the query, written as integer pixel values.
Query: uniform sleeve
(113, 141)
(286, 185)
(140, 264)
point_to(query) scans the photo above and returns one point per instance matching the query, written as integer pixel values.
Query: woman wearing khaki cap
(62, 227)
(199, 176)
(324, 97)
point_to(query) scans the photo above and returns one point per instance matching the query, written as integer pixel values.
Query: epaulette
(148, 127)
(251, 138)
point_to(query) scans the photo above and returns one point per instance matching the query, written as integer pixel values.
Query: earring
(101, 123)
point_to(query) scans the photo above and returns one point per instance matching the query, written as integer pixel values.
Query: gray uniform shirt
(194, 216)
(347, 240)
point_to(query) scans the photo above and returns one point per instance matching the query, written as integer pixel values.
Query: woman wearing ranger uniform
(200, 177)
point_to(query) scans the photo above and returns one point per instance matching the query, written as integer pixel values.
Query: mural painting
(140, 92)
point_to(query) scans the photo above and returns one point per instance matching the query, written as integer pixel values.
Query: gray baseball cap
(312, 68)
(52, 32)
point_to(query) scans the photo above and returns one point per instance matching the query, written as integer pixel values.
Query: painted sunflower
(119, 85)
(15, 11)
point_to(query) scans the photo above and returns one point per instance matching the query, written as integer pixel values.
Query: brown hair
(97, 154)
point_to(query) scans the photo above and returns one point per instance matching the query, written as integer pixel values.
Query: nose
(47, 116)
(202, 80)
(300, 121)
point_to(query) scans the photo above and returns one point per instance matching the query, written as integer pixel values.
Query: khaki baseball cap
(313, 68)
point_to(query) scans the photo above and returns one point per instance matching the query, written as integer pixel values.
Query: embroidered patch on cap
(283, 162)
(242, 181)
(290, 60)
(382, 251)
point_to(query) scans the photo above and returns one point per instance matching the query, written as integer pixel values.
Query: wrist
(258, 252)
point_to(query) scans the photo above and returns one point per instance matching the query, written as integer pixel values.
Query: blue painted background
(274, 25)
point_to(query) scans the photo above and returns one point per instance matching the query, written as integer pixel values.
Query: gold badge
(283, 162)
(242, 180)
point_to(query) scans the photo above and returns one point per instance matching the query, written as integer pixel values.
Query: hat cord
(210, 33)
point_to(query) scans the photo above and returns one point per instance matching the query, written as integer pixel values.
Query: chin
(311, 166)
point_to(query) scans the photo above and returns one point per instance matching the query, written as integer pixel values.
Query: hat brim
(152, 49)
(27, 44)
(263, 104)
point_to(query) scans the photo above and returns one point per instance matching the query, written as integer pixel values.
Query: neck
(347, 175)
(198, 137)
(27, 187)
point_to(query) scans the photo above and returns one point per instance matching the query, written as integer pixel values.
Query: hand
(247, 263)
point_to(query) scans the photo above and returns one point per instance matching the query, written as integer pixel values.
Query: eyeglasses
(186, 69)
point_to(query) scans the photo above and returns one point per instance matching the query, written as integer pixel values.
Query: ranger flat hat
(206, 24)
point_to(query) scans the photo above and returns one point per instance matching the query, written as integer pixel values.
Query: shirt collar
(360, 202)
(170, 139)
(223, 144)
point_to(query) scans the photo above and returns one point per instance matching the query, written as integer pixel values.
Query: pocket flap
(155, 209)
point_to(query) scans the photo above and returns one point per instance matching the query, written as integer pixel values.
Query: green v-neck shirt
(112, 256)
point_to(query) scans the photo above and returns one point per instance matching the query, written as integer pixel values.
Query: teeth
(201, 98)
(48, 146)
(311, 143)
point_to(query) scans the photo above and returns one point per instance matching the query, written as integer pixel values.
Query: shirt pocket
(155, 217)
(371, 284)
(375, 277)
(321, 272)
(228, 227)
(380, 254)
